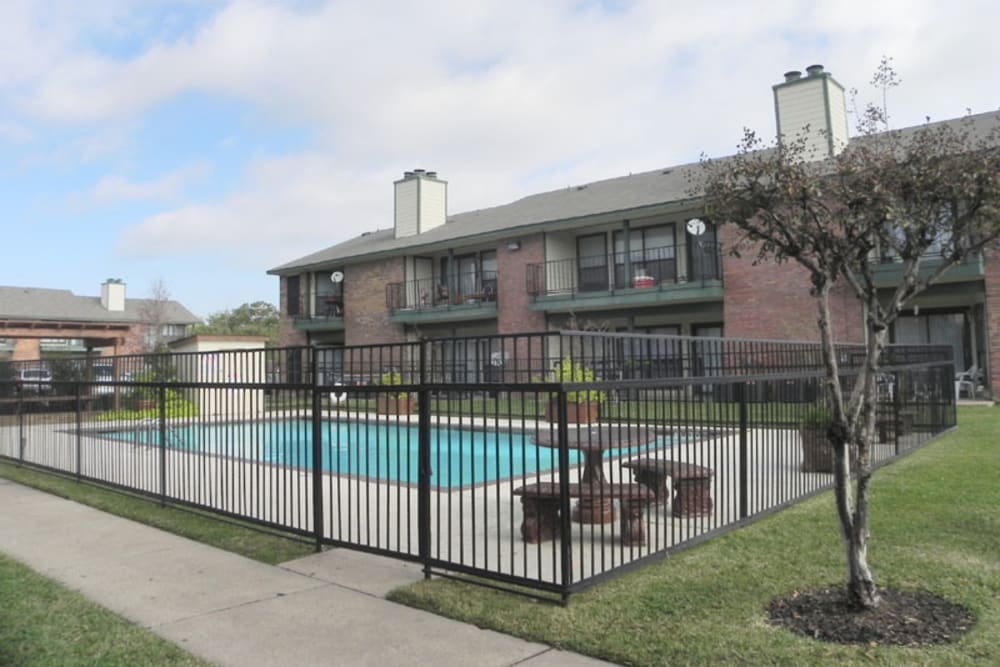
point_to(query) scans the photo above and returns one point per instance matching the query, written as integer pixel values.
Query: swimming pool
(389, 452)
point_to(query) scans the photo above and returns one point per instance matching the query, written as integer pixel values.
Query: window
(292, 305)
(703, 252)
(473, 275)
(937, 329)
(329, 299)
(651, 249)
(653, 357)
(592, 257)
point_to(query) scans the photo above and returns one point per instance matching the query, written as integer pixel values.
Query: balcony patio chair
(969, 381)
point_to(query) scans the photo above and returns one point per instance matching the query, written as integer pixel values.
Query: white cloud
(118, 188)
(503, 99)
(15, 133)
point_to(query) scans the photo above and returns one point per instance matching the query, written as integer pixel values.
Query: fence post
(317, 461)
(79, 432)
(22, 441)
(897, 419)
(423, 461)
(741, 397)
(565, 529)
(162, 409)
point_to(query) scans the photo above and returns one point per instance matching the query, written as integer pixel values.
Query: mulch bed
(902, 619)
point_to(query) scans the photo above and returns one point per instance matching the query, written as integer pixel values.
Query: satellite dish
(696, 226)
(337, 276)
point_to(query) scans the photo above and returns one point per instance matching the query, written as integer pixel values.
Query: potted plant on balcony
(393, 402)
(583, 405)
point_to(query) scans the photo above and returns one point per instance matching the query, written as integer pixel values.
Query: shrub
(567, 371)
(390, 379)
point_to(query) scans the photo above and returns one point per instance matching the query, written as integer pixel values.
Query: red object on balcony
(643, 281)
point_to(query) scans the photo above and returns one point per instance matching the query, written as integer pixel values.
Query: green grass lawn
(42, 623)
(231, 536)
(935, 526)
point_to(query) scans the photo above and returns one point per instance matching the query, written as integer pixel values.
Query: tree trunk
(861, 593)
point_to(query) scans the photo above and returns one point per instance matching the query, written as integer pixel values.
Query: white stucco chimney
(421, 202)
(815, 101)
(113, 295)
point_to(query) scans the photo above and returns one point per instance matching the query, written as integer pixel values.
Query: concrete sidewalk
(326, 609)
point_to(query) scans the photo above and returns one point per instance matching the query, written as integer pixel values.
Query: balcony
(889, 273)
(463, 297)
(327, 314)
(637, 278)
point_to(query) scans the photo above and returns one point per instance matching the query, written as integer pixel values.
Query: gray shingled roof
(34, 303)
(626, 193)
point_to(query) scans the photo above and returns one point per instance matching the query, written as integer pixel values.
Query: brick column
(992, 317)
(513, 300)
(288, 336)
(366, 315)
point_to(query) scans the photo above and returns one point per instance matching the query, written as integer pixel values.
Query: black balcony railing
(637, 269)
(328, 305)
(465, 289)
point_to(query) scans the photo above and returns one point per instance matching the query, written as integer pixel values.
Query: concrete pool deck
(325, 609)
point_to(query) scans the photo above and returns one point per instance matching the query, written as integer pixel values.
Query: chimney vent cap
(814, 70)
(793, 75)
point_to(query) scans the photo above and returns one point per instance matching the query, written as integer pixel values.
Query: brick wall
(992, 317)
(366, 316)
(26, 349)
(288, 336)
(513, 313)
(773, 301)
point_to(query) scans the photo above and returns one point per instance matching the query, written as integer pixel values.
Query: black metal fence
(472, 456)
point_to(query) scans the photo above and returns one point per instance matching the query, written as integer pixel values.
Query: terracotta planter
(817, 452)
(392, 405)
(576, 413)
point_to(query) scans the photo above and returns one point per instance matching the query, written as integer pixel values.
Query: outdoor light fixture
(513, 245)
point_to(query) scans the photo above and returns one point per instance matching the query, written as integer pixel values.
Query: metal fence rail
(471, 455)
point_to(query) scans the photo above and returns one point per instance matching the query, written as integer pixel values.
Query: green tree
(259, 318)
(933, 191)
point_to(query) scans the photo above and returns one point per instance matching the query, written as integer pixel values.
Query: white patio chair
(968, 380)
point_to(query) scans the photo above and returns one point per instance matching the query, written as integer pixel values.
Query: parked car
(103, 373)
(34, 380)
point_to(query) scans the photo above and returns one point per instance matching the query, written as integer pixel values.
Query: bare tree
(932, 191)
(155, 311)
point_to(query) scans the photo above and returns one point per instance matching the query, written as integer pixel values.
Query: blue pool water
(459, 457)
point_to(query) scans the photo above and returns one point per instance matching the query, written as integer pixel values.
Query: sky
(202, 142)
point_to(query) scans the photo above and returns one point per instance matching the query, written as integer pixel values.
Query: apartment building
(38, 323)
(624, 254)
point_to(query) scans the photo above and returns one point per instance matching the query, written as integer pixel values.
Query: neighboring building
(207, 359)
(627, 254)
(40, 323)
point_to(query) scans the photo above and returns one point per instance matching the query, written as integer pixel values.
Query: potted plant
(817, 451)
(583, 405)
(393, 402)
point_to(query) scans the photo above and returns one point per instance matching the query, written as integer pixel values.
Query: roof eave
(519, 230)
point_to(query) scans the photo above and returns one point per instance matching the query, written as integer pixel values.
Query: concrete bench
(692, 484)
(540, 502)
